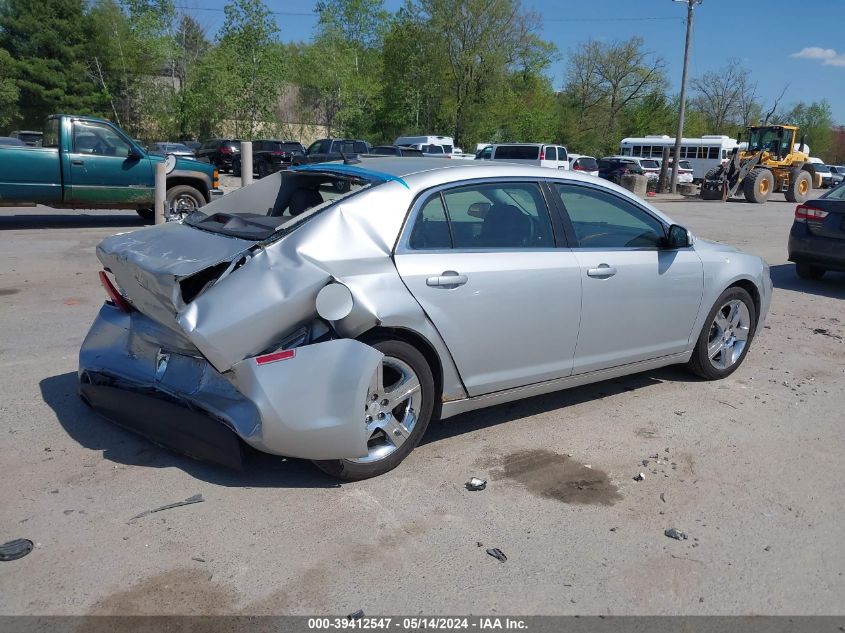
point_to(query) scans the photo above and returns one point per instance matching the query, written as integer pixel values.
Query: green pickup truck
(88, 163)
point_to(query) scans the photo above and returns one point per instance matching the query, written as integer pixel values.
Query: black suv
(270, 156)
(395, 150)
(327, 149)
(613, 169)
(219, 152)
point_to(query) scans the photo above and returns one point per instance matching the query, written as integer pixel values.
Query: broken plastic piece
(476, 484)
(357, 615)
(186, 502)
(676, 534)
(13, 550)
(639, 477)
(498, 554)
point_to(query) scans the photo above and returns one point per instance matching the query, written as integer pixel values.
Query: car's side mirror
(678, 237)
(134, 154)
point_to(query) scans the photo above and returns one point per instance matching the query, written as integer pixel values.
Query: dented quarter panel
(311, 404)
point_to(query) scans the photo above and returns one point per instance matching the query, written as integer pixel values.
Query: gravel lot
(751, 467)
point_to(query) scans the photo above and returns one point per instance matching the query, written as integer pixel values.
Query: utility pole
(677, 153)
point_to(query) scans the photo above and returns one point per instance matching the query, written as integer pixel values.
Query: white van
(446, 142)
(552, 156)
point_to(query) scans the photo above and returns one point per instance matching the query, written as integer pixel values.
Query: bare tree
(725, 96)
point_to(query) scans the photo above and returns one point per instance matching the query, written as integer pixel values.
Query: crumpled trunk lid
(150, 263)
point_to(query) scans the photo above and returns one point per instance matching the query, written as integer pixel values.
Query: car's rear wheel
(397, 411)
(758, 185)
(726, 335)
(807, 271)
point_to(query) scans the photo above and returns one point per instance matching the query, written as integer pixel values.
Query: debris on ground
(679, 413)
(613, 529)
(663, 497)
(169, 506)
(479, 544)
(645, 462)
(639, 477)
(825, 332)
(476, 484)
(199, 559)
(13, 550)
(498, 554)
(768, 548)
(357, 615)
(676, 534)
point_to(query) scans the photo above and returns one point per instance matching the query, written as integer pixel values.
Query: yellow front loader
(773, 161)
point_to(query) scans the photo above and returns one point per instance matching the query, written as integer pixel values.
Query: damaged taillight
(113, 294)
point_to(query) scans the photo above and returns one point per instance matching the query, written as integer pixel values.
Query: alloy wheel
(729, 334)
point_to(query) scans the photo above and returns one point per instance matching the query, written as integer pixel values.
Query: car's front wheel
(397, 410)
(726, 335)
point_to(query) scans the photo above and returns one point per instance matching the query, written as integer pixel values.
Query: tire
(800, 185)
(712, 174)
(730, 351)
(236, 168)
(262, 170)
(807, 271)
(758, 185)
(147, 215)
(400, 354)
(183, 200)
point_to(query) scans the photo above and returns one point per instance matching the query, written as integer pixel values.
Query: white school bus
(703, 153)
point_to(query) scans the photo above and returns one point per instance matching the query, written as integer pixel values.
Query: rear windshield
(684, 164)
(589, 164)
(385, 151)
(278, 204)
(518, 152)
(291, 147)
(432, 149)
(822, 169)
(650, 164)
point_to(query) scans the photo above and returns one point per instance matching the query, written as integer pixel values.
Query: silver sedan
(330, 312)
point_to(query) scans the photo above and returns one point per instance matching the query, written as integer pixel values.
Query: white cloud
(827, 56)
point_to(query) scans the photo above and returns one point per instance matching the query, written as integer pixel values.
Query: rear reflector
(114, 296)
(275, 356)
(804, 212)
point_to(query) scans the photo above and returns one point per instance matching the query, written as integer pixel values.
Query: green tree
(47, 42)
(816, 121)
(251, 67)
(8, 90)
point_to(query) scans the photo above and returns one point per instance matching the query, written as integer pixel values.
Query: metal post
(246, 163)
(681, 110)
(160, 193)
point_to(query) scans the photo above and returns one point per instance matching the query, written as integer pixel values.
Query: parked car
(194, 145)
(837, 174)
(553, 156)
(685, 170)
(395, 150)
(586, 164)
(270, 156)
(219, 152)
(163, 148)
(29, 137)
(330, 312)
(87, 163)
(824, 171)
(650, 166)
(446, 142)
(612, 168)
(329, 149)
(817, 238)
(8, 140)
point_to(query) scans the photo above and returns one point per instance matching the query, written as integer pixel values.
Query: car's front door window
(98, 139)
(603, 220)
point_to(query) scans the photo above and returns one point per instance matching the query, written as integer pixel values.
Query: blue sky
(781, 41)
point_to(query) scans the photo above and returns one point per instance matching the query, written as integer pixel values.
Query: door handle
(602, 272)
(448, 279)
(77, 162)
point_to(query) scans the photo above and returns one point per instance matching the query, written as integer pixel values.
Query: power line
(313, 14)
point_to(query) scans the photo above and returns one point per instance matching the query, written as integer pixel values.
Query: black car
(395, 150)
(219, 152)
(327, 149)
(8, 140)
(613, 169)
(817, 237)
(270, 156)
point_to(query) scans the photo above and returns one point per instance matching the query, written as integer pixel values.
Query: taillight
(225, 150)
(804, 212)
(542, 154)
(114, 296)
(579, 168)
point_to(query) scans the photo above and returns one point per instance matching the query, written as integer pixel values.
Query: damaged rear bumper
(145, 377)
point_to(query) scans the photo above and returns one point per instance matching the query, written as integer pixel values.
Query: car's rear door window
(603, 220)
(500, 215)
(431, 228)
